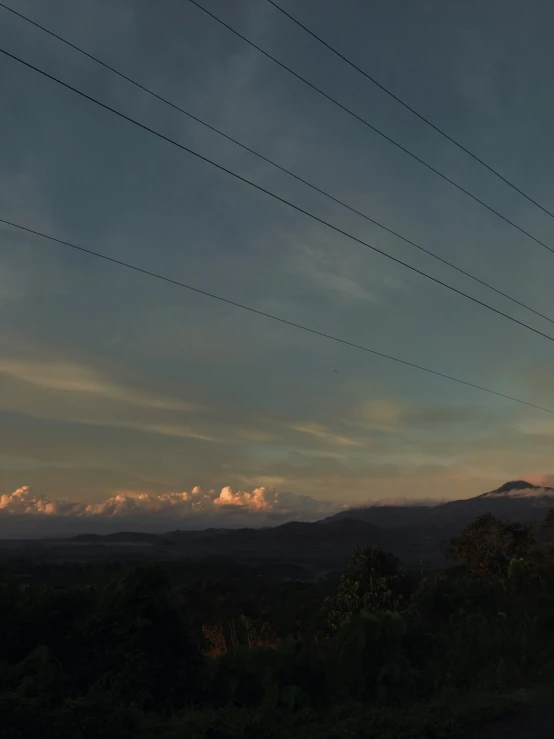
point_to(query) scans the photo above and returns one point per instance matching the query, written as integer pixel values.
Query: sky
(120, 394)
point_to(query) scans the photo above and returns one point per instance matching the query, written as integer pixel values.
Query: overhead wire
(278, 319)
(262, 157)
(273, 195)
(372, 127)
(405, 105)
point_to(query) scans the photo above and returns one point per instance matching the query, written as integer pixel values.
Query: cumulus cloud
(258, 499)
(23, 501)
(145, 510)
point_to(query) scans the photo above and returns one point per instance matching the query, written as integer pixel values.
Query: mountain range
(516, 500)
(416, 534)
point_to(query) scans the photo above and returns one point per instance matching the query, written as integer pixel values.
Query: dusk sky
(114, 384)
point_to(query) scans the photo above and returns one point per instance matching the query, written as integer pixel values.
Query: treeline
(135, 654)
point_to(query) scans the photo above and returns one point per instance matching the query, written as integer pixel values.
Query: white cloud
(524, 493)
(23, 501)
(190, 509)
(258, 499)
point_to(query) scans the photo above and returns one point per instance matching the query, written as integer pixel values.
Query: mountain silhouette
(413, 533)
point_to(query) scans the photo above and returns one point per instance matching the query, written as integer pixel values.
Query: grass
(451, 714)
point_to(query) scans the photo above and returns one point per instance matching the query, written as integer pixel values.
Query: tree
(547, 529)
(374, 580)
(135, 642)
(488, 545)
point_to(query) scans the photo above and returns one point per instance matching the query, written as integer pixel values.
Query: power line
(274, 164)
(273, 195)
(408, 107)
(372, 127)
(270, 315)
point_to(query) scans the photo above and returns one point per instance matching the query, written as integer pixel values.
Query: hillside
(416, 534)
(518, 500)
(384, 516)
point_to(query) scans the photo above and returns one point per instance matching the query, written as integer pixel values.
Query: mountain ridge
(379, 517)
(515, 485)
(413, 533)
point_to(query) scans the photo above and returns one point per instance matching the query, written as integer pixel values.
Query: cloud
(177, 430)
(70, 377)
(321, 432)
(524, 493)
(329, 271)
(535, 427)
(391, 416)
(379, 415)
(71, 391)
(160, 511)
(401, 501)
(258, 499)
(76, 433)
(22, 501)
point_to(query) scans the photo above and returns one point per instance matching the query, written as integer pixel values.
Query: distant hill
(518, 499)
(122, 537)
(385, 516)
(415, 534)
(429, 528)
(319, 541)
(293, 539)
(520, 489)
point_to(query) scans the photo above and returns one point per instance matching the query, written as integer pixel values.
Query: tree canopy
(488, 545)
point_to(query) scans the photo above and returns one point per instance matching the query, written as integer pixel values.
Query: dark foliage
(488, 545)
(127, 651)
(374, 580)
